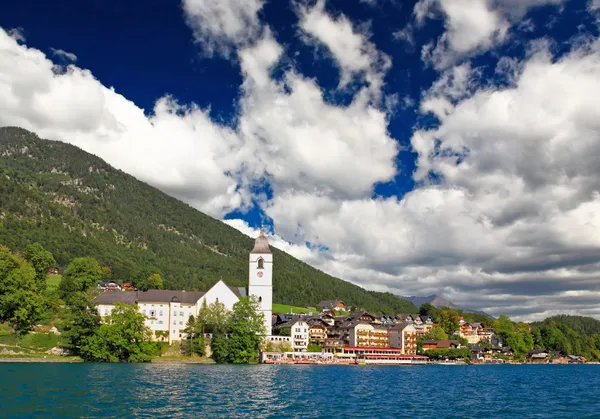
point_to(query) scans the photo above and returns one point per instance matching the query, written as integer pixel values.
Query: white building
(260, 277)
(300, 335)
(167, 312)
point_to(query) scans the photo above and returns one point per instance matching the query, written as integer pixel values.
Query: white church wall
(219, 292)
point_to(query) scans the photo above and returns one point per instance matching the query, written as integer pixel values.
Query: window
(106, 311)
(152, 313)
(260, 299)
(175, 322)
(175, 313)
(181, 313)
(160, 313)
(180, 323)
(261, 263)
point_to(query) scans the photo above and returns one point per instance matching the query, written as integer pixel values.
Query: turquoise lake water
(299, 391)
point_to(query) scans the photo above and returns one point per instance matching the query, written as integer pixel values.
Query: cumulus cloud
(178, 148)
(17, 34)
(221, 26)
(471, 26)
(304, 143)
(61, 53)
(505, 217)
(355, 55)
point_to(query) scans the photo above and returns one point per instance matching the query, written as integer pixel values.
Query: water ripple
(297, 391)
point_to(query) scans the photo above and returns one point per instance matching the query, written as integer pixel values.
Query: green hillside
(75, 204)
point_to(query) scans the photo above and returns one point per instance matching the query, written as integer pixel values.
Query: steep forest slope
(75, 204)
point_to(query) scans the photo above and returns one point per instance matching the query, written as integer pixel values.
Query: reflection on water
(296, 391)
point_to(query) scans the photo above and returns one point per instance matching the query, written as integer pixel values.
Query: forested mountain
(75, 204)
(585, 326)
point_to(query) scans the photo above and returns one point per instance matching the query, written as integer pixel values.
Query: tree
(155, 281)
(21, 303)
(194, 343)
(106, 272)
(83, 322)
(213, 318)
(436, 333)
(448, 321)
(81, 274)
(430, 310)
(246, 330)
(124, 337)
(41, 260)
(146, 278)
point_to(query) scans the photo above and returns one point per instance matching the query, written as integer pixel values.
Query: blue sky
(436, 146)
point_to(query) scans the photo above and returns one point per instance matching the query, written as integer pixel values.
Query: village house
(403, 336)
(167, 311)
(333, 305)
(317, 331)
(299, 334)
(537, 356)
(475, 332)
(109, 286)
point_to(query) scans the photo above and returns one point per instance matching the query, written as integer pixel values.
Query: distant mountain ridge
(75, 204)
(439, 302)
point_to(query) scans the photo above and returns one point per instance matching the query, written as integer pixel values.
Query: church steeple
(261, 244)
(260, 276)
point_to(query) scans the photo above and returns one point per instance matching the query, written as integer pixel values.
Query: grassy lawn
(286, 309)
(52, 281)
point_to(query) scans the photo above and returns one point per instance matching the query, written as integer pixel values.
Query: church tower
(261, 277)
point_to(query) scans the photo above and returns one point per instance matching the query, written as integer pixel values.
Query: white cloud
(513, 208)
(355, 55)
(179, 149)
(311, 256)
(64, 54)
(17, 34)
(220, 26)
(304, 143)
(505, 213)
(471, 26)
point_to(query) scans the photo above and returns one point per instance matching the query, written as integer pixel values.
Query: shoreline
(42, 360)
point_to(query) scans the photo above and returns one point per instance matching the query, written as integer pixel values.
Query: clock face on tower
(260, 274)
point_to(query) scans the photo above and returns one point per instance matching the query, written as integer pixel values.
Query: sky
(446, 147)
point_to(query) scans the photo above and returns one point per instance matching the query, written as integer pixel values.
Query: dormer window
(261, 263)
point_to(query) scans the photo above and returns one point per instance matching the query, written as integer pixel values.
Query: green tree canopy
(155, 281)
(124, 337)
(41, 260)
(436, 333)
(21, 303)
(213, 318)
(82, 322)
(448, 321)
(81, 274)
(430, 310)
(246, 332)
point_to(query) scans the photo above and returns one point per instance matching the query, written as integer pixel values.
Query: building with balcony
(404, 337)
(300, 335)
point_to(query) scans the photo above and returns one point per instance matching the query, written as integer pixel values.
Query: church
(167, 312)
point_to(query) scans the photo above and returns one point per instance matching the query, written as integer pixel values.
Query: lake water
(299, 391)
